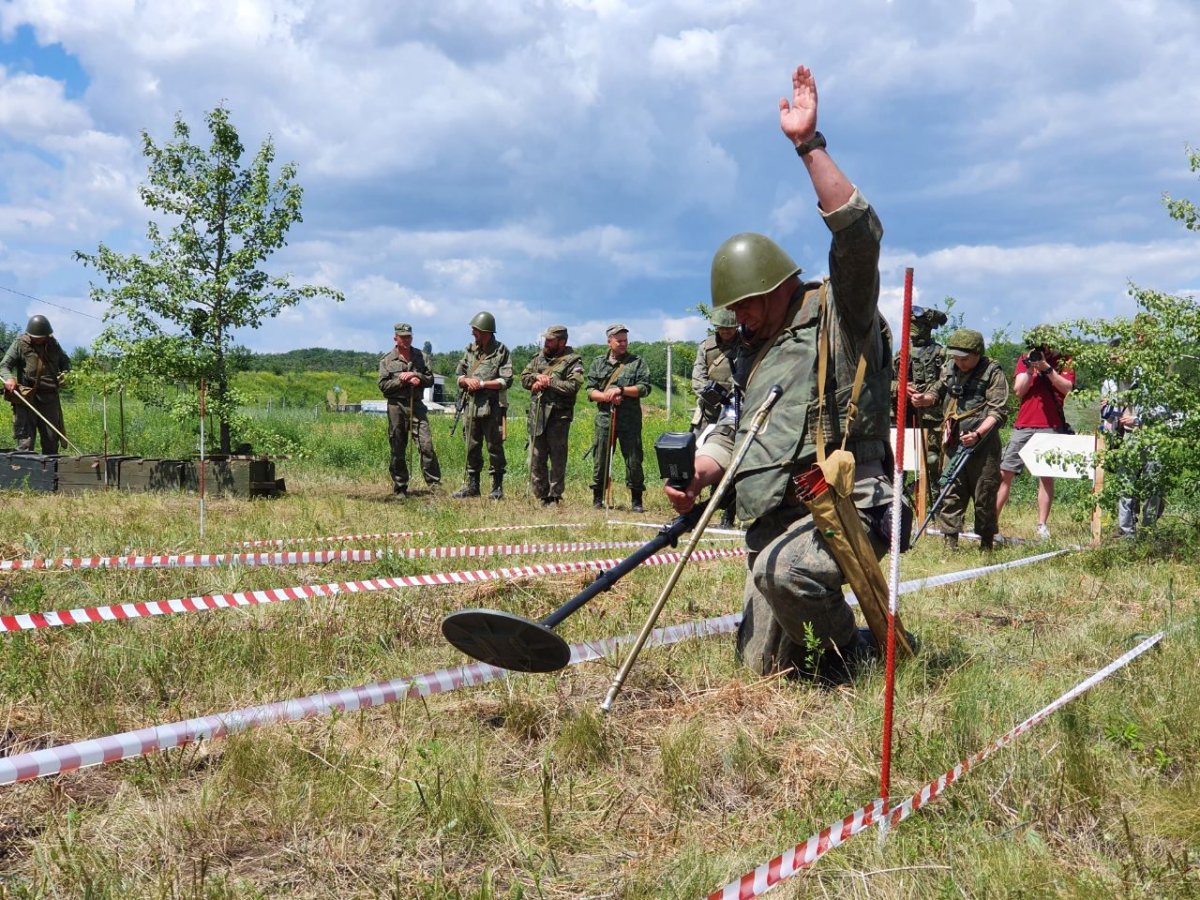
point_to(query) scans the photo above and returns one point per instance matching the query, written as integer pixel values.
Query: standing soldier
(977, 407)
(553, 379)
(712, 382)
(616, 384)
(485, 373)
(712, 375)
(926, 360)
(404, 374)
(34, 367)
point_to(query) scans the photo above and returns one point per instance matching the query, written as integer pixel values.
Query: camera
(1035, 355)
(931, 318)
(713, 395)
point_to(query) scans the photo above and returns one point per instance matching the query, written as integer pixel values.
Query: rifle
(459, 406)
(949, 476)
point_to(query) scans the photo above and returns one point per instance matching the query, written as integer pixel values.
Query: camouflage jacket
(38, 367)
(603, 374)
(491, 365)
(566, 378)
(925, 365)
(714, 362)
(391, 365)
(970, 397)
(789, 359)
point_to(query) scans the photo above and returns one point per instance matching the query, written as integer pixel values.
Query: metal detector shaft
(957, 462)
(49, 424)
(714, 502)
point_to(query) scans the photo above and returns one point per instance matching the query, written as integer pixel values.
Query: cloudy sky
(578, 161)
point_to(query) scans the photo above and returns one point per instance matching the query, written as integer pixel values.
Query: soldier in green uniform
(617, 382)
(926, 360)
(793, 591)
(404, 373)
(712, 381)
(485, 372)
(714, 363)
(34, 366)
(975, 393)
(553, 379)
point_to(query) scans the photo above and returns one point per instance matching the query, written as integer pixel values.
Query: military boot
(637, 502)
(470, 489)
(598, 498)
(951, 542)
(987, 543)
(497, 486)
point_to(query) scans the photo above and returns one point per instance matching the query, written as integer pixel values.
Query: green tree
(1152, 359)
(172, 314)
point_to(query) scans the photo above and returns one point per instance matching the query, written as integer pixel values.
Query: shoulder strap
(823, 329)
(612, 377)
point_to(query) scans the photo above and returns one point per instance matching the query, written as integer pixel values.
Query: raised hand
(799, 118)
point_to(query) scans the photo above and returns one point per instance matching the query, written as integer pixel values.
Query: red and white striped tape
(392, 535)
(303, 557)
(130, 744)
(788, 863)
(116, 612)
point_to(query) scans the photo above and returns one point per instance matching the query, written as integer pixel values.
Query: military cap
(403, 328)
(557, 331)
(615, 328)
(965, 341)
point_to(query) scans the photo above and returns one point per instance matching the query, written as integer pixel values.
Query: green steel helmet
(746, 265)
(724, 318)
(484, 321)
(39, 326)
(965, 340)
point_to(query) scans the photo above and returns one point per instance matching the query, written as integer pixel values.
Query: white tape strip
(89, 615)
(769, 874)
(303, 557)
(392, 535)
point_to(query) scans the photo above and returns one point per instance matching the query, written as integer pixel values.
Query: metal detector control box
(676, 452)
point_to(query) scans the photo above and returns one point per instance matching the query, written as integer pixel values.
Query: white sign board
(912, 447)
(1051, 455)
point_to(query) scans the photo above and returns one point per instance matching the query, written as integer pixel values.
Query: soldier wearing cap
(553, 379)
(926, 360)
(616, 383)
(975, 393)
(792, 331)
(485, 373)
(34, 368)
(404, 373)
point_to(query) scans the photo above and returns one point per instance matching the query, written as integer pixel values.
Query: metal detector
(509, 641)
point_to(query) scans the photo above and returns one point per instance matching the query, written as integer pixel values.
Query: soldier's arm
(641, 380)
(529, 374)
(504, 374)
(422, 368)
(995, 402)
(385, 377)
(595, 380)
(568, 382)
(11, 363)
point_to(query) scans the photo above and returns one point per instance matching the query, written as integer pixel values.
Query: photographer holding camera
(1043, 380)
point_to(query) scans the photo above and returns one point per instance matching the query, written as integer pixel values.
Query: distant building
(434, 397)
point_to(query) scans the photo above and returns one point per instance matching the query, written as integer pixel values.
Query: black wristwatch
(816, 142)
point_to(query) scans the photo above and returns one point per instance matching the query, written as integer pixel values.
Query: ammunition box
(135, 474)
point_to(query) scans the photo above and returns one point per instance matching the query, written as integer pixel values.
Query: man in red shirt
(1043, 380)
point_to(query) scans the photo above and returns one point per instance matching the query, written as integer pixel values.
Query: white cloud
(695, 52)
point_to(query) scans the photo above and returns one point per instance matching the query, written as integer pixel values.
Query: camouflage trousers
(477, 430)
(27, 426)
(629, 439)
(548, 455)
(399, 431)
(794, 607)
(978, 482)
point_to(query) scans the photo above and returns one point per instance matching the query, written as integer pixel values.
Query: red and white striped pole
(885, 775)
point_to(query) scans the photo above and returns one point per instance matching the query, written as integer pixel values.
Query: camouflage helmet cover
(724, 318)
(746, 265)
(484, 321)
(964, 341)
(39, 326)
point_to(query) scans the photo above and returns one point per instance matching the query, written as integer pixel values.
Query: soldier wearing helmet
(33, 368)
(793, 330)
(974, 395)
(485, 373)
(712, 380)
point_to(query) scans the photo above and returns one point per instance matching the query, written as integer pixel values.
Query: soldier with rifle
(553, 379)
(975, 392)
(32, 370)
(484, 373)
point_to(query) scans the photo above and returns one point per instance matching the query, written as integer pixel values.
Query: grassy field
(520, 788)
